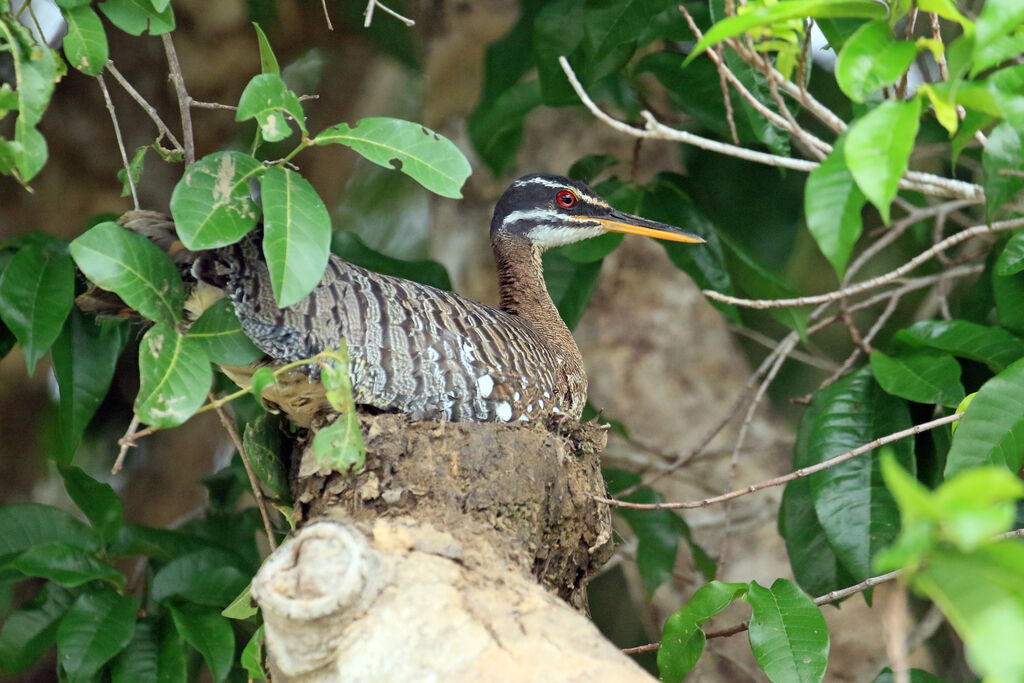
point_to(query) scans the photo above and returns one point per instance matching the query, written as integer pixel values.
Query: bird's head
(550, 211)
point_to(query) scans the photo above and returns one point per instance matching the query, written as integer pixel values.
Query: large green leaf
(755, 278)
(138, 662)
(136, 16)
(611, 29)
(993, 346)
(174, 377)
(557, 32)
(84, 358)
(209, 577)
(854, 507)
(497, 130)
(85, 45)
(788, 635)
(262, 443)
(430, 159)
(36, 293)
(814, 564)
(296, 236)
(832, 205)
(872, 58)
(878, 147)
(210, 633)
(211, 204)
(221, 336)
(95, 628)
(134, 268)
(31, 630)
(66, 565)
(779, 13)
(992, 429)
(1008, 292)
(23, 525)
(267, 99)
(97, 500)
(36, 70)
(682, 639)
(920, 376)
(1011, 258)
(996, 19)
(1003, 159)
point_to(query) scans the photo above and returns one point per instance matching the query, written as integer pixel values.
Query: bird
(422, 351)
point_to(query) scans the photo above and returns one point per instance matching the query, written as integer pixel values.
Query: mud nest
(519, 491)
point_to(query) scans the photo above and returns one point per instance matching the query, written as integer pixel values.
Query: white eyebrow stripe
(539, 181)
(532, 215)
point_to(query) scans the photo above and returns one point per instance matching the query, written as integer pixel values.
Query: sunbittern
(430, 353)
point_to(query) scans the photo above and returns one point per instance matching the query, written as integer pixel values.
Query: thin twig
(146, 106)
(120, 140)
(184, 101)
(257, 492)
(368, 12)
(866, 285)
(327, 15)
(786, 478)
(127, 441)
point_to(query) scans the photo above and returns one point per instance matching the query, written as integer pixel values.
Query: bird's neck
(524, 294)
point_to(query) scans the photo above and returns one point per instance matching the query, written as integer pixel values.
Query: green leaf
(296, 237)
(993, 346)
(878, 147)
(1002, 159)
(172, 655)
(94, 630)
(788, 635)
(682, 640)
(132, 267)
(996, 19)
(206, 577)
(66, 565)
(32, 153)
(221, 336)
(919, 376)
(657, 532)
(428, 158)
(135, 168)
(982, 595)
(85, 44)
(350, 247)
(1011, 258)
(96, 500)
(262, 443)
(992, 429)
(23, 525)
(84, 358)
(134, 540)
(268, 62)
(872, 59)
(758, 281)
(252, 656)
(916, 676)
(267, 99)
(36, 293)
(135, 16)
(241, 607)
(768, 15)
(832, 205)
(174, 377)
(977, 505)
(570, 284)
(138, 662)
(261, 379)
(497, 130)
(211, 204)
(338, 447)
(855, 509)
(558, 31)
(814, 564)
(32, 630)
(210, 633)
(1008, 292)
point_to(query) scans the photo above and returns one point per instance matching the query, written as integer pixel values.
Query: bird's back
(414, 348)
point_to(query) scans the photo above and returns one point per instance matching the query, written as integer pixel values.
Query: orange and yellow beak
(620, 221)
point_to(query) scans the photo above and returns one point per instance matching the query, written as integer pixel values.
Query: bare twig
(327, 15)
(786, 478)
(184, 101)
(146, 106)
(372, 4)
(126, 442)
(120, 140)
(866, 285)
(257, 492)
(894, 621)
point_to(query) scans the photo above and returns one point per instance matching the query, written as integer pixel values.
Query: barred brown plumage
(426, 352)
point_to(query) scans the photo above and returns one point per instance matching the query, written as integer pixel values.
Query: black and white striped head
(550, 211)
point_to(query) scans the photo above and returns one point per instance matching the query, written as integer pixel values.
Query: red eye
(566, 199)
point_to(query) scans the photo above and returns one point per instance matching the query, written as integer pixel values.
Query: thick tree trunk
(453, 555)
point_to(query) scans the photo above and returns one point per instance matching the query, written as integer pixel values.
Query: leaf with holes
(296, 237)
(36, 293)
(878, 147)
(174, 377)
(267, 99)
(788, 635)
(132, 267)
(85, 44)
(211, 204)
(95, 628)
(428, 158)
